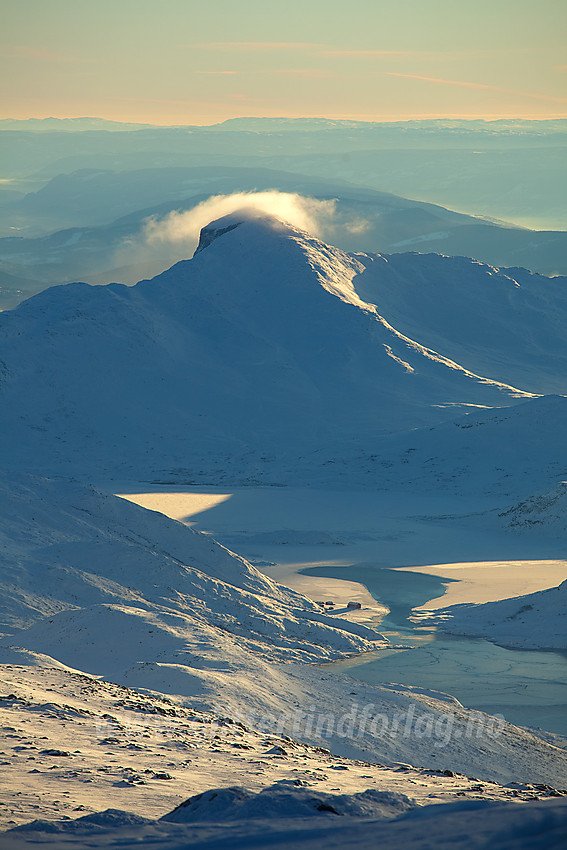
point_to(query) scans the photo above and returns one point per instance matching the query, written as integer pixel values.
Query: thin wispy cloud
(168, 100)
(37, 54)
(242, 97)
(368, 53)
(307, 73)
(217, 73)
(478, 86)
(176, 235)
(260, 46)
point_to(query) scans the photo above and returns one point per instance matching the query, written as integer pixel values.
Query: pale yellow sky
(188, 62)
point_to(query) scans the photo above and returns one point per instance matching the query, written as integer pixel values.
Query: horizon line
(307, 117)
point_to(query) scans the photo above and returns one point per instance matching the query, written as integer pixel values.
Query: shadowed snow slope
(543, 512)
(511, 452)
(258, 344)
(535, 621)
(505, 323)
(305, 819)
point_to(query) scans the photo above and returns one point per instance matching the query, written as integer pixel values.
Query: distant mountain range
(259, 124)
(512, 170)
(42, 125)
(478, 126)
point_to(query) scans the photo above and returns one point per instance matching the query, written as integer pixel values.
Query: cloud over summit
(178, 228)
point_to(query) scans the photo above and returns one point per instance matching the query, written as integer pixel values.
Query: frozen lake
(347, 545)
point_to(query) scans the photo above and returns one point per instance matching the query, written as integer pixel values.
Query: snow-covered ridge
(505, 323)
(259, 344)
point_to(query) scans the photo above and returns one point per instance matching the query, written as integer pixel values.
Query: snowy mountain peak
(283, 256)
(231, 221)
(268, 341)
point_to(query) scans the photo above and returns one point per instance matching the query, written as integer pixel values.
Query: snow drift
(310, 821)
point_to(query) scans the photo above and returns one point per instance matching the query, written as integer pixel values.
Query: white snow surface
(285, 800)
(460, 826)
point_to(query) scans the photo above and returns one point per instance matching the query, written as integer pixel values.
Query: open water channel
(528, 687)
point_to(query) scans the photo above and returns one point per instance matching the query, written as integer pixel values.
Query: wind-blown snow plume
(163, 241)
(305, 213)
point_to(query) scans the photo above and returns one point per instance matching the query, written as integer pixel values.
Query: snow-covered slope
(506, 323)
(308, 820)
(111, 589)
(535, 621)
(542, 512)
(93, 744)
(258, 345)
(512, 452)
(104, 586)
(137, 585)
